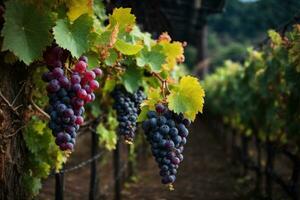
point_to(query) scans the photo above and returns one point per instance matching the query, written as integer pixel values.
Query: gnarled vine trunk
(12, 146)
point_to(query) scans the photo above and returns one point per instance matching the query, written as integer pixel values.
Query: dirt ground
(205, 174)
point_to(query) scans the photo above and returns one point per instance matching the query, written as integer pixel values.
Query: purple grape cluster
(127, 106)
(67, 97)
(166, 132)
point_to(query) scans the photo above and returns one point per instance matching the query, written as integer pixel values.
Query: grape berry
(166, 132)
(127, 106)
(67, 97)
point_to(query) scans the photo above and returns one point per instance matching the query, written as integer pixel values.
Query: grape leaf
(32, 184)
(132, 79)
(112, 58)
(107, 137)
(109, 85)
(122, 17)
(173, 51)
(275, 37)
(153, 59)
(187, 97)
(99, 10)
(127, 48)
(153, 97)
(107, 133)
(143, 114)
(138, 35)
(103, 38)
(74, 36)
(25, 31)
(79, 7)
(93, 59)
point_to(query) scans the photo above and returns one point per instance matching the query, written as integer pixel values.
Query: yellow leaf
(174, 51)
(123, 17)
(187, 97)
(153, 97)
(127, 48)
(79, 7)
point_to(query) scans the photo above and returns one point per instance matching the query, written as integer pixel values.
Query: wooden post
(94, 179)
(269, 169)
(117, 172)
(245, 157)
(202, 61)
(59, 186)
(258, 162)
(233, 146)
(296, 179)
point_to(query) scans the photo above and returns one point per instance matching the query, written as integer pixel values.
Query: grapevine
(52, 44)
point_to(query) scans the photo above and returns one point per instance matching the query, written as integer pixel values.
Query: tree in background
(244, 23)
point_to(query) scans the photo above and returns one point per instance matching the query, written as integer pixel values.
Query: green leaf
(32, 184)
(138, 35)
(39, 127)
(153, 59)
(99, 10)
(143, 114)
(109, 85)
(74, 37)
(132, 79)
(103, 38)
(187, 97)
(112, 58)
(127, 48)
(108, 136)
(93, 60)
(95, 109)
(25, 31)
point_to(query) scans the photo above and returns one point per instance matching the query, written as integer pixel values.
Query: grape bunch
(67, 96)
(166, 132)
(127, 106)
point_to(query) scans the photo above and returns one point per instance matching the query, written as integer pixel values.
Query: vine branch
(14, 109)
(11, 135)
(38, 108)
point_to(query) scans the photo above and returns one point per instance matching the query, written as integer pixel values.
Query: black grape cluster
(127, 106)
(67, 96)
(166, 132)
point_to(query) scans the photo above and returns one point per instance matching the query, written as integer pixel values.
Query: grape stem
(171, 187)
(158, 76)
(38, 108)
(164, 84)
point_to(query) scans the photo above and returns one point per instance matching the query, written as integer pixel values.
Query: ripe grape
(80, 67)
(166, 132)
(67, 97)
(127, 107)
